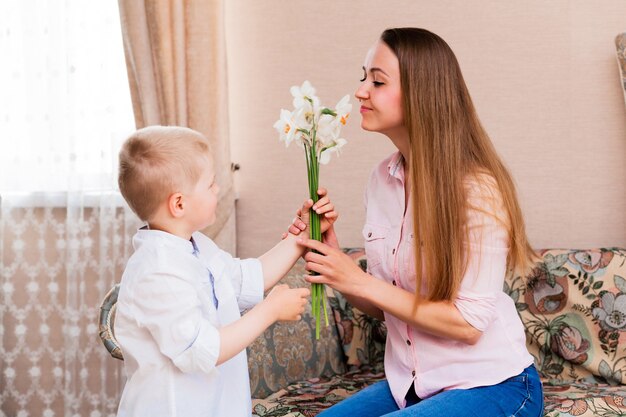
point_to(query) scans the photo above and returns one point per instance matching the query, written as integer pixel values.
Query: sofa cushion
(310, 397)
(287, 351)
(573, 305)
(583, 399)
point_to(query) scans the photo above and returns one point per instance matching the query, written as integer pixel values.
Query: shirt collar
(396, 166)
(148, 236)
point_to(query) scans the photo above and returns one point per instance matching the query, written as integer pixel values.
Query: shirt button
(408, 342)
(393, 251)
(394, 282)
(413, 373)
(369, 234)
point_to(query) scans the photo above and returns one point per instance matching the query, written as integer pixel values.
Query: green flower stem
(318, 295)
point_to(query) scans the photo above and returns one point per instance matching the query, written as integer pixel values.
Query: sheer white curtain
(64, 231)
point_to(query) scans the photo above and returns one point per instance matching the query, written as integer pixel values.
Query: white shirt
(167, 326)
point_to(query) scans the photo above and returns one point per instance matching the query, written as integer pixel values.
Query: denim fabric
(518, 396)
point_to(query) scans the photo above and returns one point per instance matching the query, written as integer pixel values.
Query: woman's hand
(335, 268)
(324, 207)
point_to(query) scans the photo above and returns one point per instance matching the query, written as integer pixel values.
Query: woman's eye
(377, 83)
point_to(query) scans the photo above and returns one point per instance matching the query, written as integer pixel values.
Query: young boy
(178, 312)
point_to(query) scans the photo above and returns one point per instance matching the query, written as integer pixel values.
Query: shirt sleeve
(487, 249)
(170, 309)
(246, 276)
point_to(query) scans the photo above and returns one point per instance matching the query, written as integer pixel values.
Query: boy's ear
(176, 205)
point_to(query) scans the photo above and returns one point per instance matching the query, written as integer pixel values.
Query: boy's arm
(277, 261)
(282, 303)
(251, 278)
(241, 333)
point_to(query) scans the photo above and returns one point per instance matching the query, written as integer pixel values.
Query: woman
(442, 217)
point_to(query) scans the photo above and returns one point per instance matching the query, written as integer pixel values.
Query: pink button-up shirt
(412, 356)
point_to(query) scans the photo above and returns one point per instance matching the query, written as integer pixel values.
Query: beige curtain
(65, 233)
(176, 59)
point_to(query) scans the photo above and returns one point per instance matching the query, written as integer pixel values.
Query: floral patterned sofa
(573, 305)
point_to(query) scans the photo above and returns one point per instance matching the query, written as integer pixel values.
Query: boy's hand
(323, 207)
(287, 303)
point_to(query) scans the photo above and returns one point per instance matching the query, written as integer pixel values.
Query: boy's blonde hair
(157, 161)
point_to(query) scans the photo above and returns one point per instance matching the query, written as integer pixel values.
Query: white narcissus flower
(343, 109)
(308, 115)
(330, 121)
(328, 128)
(303, 124)
(286, 126)
(333, 148)
(301, 94)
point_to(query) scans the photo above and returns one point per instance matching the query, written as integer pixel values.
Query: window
(65, 104)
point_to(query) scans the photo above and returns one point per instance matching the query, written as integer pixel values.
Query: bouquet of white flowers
(316, 129)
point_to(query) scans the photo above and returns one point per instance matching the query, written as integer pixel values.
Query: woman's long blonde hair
(447, 144)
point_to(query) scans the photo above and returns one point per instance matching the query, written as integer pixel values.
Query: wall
(543, 77)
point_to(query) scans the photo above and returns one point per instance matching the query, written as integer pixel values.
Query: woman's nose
(361, 93)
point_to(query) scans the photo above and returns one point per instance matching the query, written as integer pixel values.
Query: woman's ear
(176, 205)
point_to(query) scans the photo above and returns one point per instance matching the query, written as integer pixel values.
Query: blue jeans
(518, 396)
